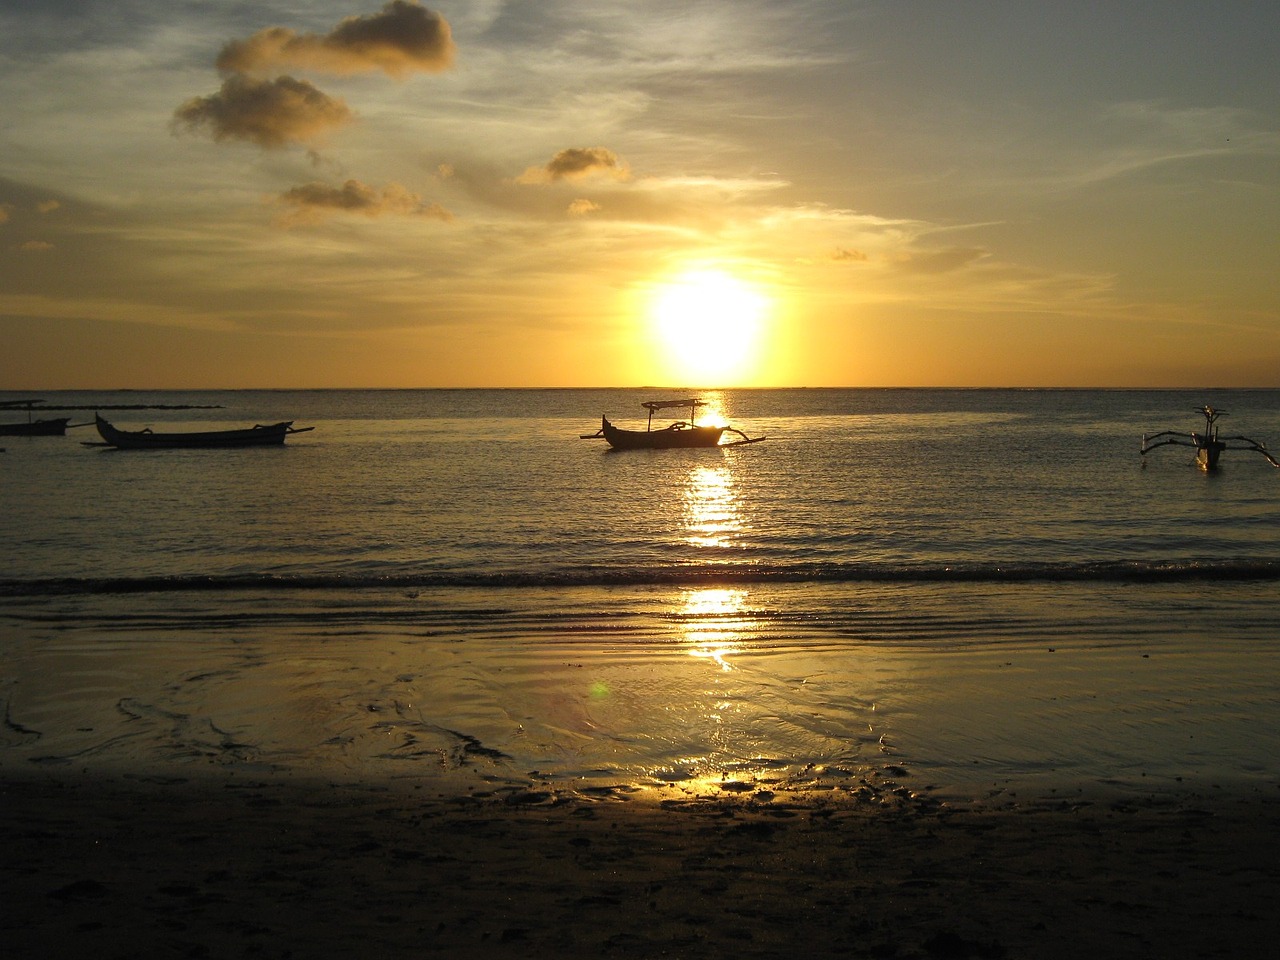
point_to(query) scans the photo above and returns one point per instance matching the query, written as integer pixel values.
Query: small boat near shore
(259, 435)
(676, 435)
(1209, 446)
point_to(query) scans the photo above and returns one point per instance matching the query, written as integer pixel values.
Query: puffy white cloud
(314, 201)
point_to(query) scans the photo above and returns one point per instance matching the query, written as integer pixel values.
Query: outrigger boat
(256, 436)
(1208, 445)
(55, 427)
(681, 433)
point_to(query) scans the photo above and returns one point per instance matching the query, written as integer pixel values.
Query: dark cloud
(405, 37)
(270, 113)
(314, 201)
(576, 163)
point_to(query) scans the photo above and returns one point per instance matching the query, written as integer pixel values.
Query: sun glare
(709, 325)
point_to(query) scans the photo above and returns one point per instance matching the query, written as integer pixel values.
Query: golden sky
(696, 193)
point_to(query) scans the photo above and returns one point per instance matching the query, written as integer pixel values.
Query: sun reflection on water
(712, 517)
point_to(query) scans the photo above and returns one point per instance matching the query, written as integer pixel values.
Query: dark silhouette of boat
(1208, 445)
(259, 435)
(36, 428)
(680, 434)
(52, 427)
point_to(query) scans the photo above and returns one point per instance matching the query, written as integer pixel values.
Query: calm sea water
(975, 590)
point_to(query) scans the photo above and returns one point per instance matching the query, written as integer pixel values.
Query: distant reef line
(41, 407)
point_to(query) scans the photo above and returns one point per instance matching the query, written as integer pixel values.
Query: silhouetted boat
(36, 428)
(256, 436)
(679, 434)
(1208, 445)
(54, 427)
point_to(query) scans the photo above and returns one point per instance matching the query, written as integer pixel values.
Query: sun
(709, 325)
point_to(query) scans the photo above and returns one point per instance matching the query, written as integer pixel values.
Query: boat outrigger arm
(1208, 445)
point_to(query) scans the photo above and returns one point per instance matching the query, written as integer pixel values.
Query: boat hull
(36, 428)
(673, 437)
(1208, 452)
(257, 436)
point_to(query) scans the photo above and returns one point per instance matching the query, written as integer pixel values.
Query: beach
(240, 775)
(231, 867)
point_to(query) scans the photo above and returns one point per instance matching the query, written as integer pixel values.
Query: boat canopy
(652, 405)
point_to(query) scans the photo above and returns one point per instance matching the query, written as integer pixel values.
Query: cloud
(312, 202)
(270, 113)
(582, 207)
(940, 261)
(405, 37)
(845, 255)
(36, 246)
(576, 163)
(43, 206)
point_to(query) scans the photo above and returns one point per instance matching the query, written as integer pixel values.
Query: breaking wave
(666, 576)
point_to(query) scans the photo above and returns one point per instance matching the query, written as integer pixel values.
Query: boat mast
(28, 405)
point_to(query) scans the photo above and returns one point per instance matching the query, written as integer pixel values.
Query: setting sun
(709, 325)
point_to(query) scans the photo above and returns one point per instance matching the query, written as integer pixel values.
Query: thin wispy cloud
(582, 207)
(940, 261)
(314, 202)
(850, 256)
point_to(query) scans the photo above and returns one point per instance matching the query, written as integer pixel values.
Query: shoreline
(243, 866)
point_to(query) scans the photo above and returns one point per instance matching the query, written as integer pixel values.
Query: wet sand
(230, 866)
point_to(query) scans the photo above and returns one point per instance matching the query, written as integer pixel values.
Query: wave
(672, 576)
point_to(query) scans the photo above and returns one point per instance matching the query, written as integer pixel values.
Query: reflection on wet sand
(713, 622)
(726, 710)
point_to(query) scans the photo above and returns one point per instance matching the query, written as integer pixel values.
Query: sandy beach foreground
(231, 867)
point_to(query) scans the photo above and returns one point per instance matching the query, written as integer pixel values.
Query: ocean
(955, 593)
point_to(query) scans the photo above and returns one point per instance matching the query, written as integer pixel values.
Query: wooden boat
(53, 427)
(36, 428)
(680, 434)
(1209, 446)
(256, 436)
